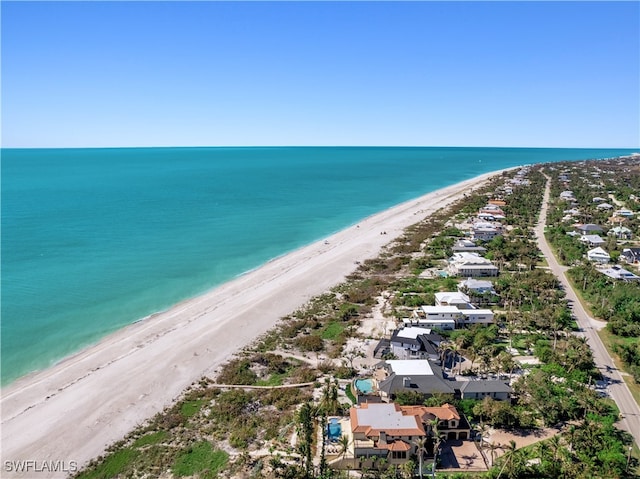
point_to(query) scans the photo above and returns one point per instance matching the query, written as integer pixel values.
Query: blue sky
(321, 73)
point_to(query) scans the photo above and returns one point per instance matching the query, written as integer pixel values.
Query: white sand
(69, 413)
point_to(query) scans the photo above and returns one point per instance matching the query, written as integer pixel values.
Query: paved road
(589, 326)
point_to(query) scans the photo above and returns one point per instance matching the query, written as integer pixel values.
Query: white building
(598, 255)
(471, 265)
(476, 316)
(457, 299)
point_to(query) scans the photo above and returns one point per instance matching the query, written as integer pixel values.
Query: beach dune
(58, 419)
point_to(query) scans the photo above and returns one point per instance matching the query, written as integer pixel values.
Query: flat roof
(410, 367)
(412, 332)
(439, 309)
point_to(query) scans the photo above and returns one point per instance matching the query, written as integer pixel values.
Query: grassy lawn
(332, 331)
(191, 408)
(152, 438)
(112, 466)
(200, 459)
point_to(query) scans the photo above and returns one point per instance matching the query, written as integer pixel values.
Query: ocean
(95, 239)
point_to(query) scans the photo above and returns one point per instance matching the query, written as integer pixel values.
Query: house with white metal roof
(598, 255)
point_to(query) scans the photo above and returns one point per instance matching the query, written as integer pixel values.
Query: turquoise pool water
(334, 430)
(365, 386)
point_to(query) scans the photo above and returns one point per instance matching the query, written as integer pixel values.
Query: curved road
(617, 389)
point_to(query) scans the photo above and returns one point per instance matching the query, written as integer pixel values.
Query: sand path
(62, 417)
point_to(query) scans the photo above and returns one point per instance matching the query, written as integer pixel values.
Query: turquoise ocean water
(95, 239)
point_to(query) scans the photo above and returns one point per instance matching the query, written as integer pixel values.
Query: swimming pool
(334, 430)
(365, 386)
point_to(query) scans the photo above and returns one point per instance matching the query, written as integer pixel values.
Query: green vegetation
(308, 346)
(201, 459)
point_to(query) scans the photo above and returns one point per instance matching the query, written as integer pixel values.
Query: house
(631, 255)
(604, 206)
(591, 240)
(620, 232)
(385, 430)
(588, 229)
(493, 211)
(475, 316)
(437, 312)
(450, 423)
(433, 323)
(467, 245)
(414, 343)
(626, 213)
(598, 199)
(390, 431)
(497, 202)
(419, 375)
(618, 273)
(457, 299)
(478, 286)
(485, 231)
(480, 389)
(598, 255)
(471, 265)
(567, 196)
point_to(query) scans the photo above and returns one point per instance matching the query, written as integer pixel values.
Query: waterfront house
(390, 431)
(385, 430)
(414, 343)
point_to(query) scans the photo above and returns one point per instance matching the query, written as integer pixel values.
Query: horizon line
(312, 146)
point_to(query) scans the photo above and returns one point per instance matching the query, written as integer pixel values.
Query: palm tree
(421, 450)
(344, 444)
(493, 447)
(508, 459)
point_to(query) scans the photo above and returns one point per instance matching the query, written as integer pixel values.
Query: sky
(530, 74)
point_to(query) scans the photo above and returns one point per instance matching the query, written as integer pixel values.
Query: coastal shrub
(229, 404)
(200, 458)
(304, 374)
(310, 343)
(237, 371)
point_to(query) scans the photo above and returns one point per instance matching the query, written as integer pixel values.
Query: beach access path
(68, 414)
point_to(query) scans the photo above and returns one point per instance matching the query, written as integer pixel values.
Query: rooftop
(410, 367)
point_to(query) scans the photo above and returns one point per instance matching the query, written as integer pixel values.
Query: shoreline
(69, 412)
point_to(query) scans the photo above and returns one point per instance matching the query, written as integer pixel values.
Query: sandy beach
(62, 417)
